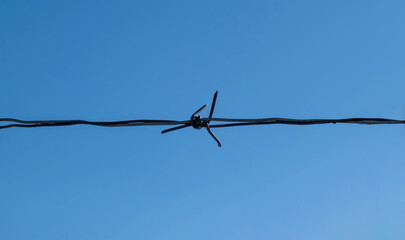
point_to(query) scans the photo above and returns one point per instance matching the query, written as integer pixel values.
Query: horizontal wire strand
(196, 122)
(53, 123)
(230, 122)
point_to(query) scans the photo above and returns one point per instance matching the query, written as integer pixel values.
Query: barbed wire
(196, 122)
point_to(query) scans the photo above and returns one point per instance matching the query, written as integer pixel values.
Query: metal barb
(207, 126)
(199, 110)
(214, 100)
(197, 123)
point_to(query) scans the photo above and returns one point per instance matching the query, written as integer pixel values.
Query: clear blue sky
(116, 60)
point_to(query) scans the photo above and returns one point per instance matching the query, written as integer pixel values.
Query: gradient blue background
(116, 60)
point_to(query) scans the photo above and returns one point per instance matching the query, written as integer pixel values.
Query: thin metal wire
(196, 122)
(57, 123)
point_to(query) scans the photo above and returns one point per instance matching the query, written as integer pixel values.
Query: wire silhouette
(197, 122)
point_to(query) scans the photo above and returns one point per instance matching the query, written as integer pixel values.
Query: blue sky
(104, 60)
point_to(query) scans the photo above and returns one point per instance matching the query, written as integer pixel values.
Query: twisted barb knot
(197, 123)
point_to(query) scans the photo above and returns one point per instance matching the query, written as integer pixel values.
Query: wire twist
(197, 123)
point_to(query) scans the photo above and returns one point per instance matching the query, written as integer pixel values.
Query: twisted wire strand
(196, 122)
(53, 123)
(290, 121)
(227, 122)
